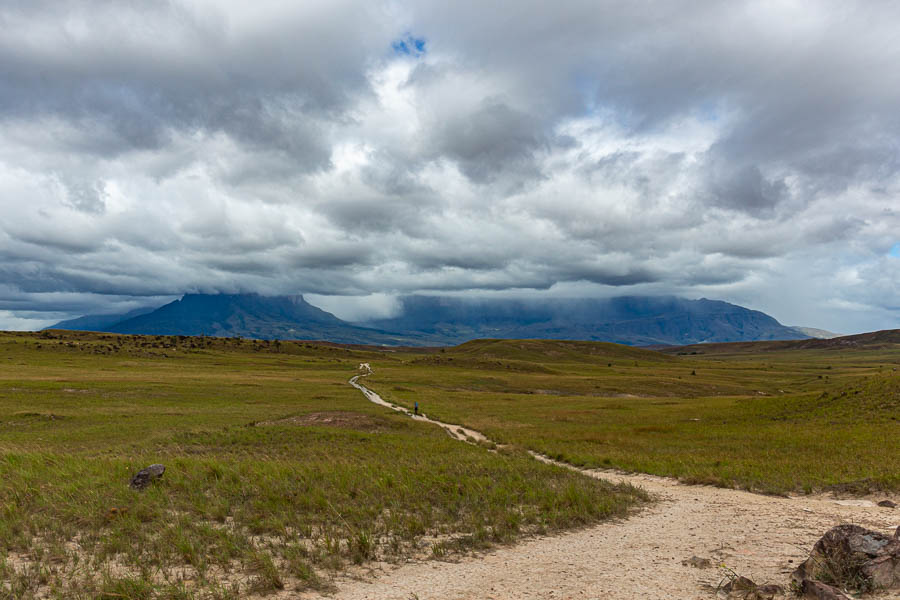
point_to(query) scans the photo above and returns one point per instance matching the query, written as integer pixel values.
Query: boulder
(851, 557)
(146, 476)
(887, 504)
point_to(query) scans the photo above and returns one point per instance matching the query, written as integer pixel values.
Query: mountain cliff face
(431, 320)
(626, 320)
(230, 314)
(243, 315)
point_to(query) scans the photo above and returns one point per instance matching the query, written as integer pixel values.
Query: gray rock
(887, 504)
(852, 557)
(146, 476)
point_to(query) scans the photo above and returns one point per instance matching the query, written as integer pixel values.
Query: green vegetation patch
(278, 473)
(772, 421)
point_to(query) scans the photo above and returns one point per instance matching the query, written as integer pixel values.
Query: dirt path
(761, 537)
(458, 432)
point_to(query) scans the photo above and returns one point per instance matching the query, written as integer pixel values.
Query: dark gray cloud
(745, 151)
(490, 141)
(746, 189)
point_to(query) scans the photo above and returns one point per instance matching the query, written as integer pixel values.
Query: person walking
(416, 407)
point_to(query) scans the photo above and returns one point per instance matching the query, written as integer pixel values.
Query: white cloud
(745, 152)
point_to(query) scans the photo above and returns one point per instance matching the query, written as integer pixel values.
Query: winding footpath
(644, 556)
(457, 432)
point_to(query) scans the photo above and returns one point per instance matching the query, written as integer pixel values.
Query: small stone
(144, 477)
(768, 591)
(739, 584)
(742, 588)
(697, 562)
(887, 504)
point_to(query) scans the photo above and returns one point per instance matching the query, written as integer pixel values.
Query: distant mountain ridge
(239, 315)
(631, 320)
(100, 322)
(435, 320)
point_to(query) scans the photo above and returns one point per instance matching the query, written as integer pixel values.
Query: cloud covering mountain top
(745, 151)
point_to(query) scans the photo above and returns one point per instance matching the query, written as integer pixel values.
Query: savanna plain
(282, 477)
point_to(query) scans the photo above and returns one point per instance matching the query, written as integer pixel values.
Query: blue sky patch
(409, 46)
(895, 250)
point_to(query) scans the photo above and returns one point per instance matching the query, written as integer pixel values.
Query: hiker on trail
(416, 407)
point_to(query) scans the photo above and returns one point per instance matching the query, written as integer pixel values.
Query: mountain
(433, 320)
(242, 315)
(99, 322)
(632, 320)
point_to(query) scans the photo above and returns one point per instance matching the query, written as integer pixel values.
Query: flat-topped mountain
(632, 320)
(434, 320)
(238, 315)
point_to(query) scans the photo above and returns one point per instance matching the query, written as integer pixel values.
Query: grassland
(279, 474)
(769, 417)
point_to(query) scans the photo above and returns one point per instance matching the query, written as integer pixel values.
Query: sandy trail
(761, 537)
(458, 432)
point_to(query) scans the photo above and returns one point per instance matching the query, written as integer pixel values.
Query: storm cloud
(358, 150)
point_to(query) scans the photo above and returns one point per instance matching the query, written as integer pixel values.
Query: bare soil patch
(333, 418)
(646, 556)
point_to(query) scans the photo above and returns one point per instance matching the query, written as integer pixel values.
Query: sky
(357, 151)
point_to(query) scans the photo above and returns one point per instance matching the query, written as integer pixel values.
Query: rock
(816, 590)
(768, 591)
(887, 504)
(739, 584)
(852, 557)
(744, 589)
(144, 477)
(697, 562)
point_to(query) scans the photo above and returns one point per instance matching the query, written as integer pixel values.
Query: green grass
(280, 475)
(260, 493)
(772, 422)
